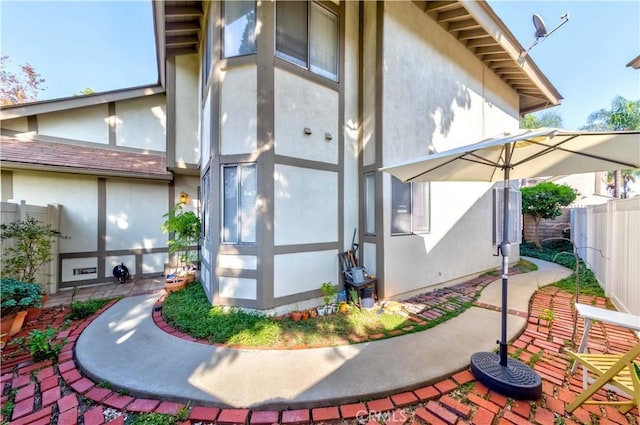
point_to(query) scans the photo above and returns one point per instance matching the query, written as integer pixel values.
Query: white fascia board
(488, 19)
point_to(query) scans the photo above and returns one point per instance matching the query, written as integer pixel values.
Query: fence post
(609, 262)
(53, 219)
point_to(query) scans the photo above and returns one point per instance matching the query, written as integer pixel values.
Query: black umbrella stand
(509, 377)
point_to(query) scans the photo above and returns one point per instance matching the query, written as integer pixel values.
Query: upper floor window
(410, 207)
(239, 34)
(239, 191)
(307, 35)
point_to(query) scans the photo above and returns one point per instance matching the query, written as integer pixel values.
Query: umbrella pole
(504, 251)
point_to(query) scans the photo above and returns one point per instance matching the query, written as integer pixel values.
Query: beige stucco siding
(305, 206)
(78, 197)
(303, 271)
(436, 93)
(351, 126)
(142, 123)
(238, 111)
(369, 84)
(90, 124)
(186, 110)
(133, 221)
(301, 104)
(16, 124)
(435, 90)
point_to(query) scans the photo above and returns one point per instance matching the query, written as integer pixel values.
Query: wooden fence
(50, 214)
(608, 240)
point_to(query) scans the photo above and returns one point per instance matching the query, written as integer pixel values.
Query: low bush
(83, 309)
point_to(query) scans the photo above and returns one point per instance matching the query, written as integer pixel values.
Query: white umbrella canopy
(528, 153)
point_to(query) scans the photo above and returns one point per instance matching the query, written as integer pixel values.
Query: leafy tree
(623, 115)
(544, 119)
(18, 88)
(543, 201)
(33, 241)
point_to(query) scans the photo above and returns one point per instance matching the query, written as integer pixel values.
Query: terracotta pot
(296, 316)
(305, 315)
(313, 313)
(12, 324)
(176, 284)
(33, 313)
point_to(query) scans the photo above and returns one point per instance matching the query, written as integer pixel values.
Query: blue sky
(110, 45)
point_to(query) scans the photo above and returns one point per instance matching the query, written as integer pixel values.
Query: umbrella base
(515, 380)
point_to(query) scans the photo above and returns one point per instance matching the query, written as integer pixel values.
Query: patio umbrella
(528, 153)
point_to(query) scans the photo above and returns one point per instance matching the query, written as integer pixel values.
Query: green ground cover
(189, 311)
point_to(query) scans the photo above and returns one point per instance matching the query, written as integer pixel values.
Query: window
(409, 207)
(307, 35)
(239, 34)
(370, 204)
(239, 204)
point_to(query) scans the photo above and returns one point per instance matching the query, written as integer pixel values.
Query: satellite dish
(538, 23)
(541, 32)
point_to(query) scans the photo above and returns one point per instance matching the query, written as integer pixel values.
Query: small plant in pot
(184, 226)
(329, 292)
(16, 298)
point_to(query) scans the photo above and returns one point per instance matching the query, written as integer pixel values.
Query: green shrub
(41, 344)
(16, 295)
(83, 309)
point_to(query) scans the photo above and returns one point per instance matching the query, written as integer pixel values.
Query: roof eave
(11, 165)
(54, 105)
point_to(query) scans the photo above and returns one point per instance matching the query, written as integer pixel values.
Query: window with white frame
(410, 207)
(370, 204)
(239, 33)
(307, 35)
(239, 190)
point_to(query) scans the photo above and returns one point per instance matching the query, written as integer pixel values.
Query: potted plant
(31, 249)
(16, 297)
(329, 292)
(184, 226)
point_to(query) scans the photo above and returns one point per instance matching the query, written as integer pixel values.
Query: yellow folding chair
(621, 371)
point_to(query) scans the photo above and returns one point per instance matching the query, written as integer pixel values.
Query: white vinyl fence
(608, 240)
(50, 214)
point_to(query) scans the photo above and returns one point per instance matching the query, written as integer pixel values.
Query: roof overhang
(45, 106)
(635, 63)
(178, 27)
(473, 23)
(477, 27)
(26, 151)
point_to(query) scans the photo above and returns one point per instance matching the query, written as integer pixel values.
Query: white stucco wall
(112, 261)
(133, 215)
(154, 263)
(369, 81)
(301, 104)
(453, 100)
(238, 111)
(305, 206)
(304, 271)
(90, 124)
(350, 131)
(238, 262)
(205, 132)
(141, 123)
(187, 98)
(238, 287)
(79, 199)
(16, 124)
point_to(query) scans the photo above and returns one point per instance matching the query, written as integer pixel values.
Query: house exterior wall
(238, 105)
(141, 123)
(109, 220)
(452, 101)
(89, 124)
(185, 141)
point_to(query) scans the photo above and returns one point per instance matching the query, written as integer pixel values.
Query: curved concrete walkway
(125, 348)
